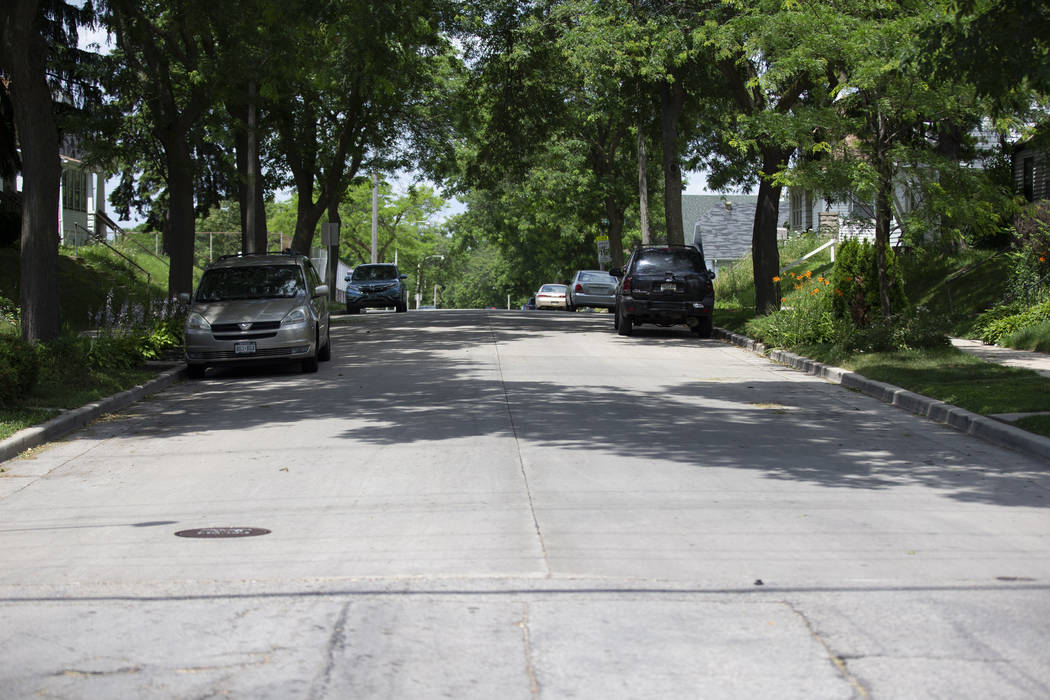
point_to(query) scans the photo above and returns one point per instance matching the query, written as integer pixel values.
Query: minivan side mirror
(616, 272)
(403, 276)
(711, 273)
(321, 290)
(184, 297)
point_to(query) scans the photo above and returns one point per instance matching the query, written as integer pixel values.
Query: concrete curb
(79, 417)
(962, 420)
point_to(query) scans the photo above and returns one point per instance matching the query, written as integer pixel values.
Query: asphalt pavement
(495, 504)
(996, 429)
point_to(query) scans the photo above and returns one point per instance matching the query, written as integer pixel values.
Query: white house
(81, 192)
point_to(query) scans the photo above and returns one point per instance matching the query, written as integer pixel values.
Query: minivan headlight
(196, 322)
(295, 318)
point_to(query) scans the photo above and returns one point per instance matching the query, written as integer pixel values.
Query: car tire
(616, 318)
(570, 308)
(626, 324)
(352, 309)
(704, 327)
(196, 371)
(402, 307)
(325, 353)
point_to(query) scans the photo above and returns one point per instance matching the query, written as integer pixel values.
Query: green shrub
(995, 325)
(855, 281)
(1035, 337)
(19, 369)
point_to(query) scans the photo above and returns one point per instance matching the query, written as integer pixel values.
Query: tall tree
(168, 54)
(777, 63)
(34, 35)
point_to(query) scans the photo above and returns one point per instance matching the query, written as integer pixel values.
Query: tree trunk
(671, 100)
(22, 52)
(307, 216)
(615, 214)
(764, 252)
(643, 189)
(333, 251)
(883, 217)
(180, 213)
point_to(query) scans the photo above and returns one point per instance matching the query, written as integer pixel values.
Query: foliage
(854, 281)
(1030, 278)
(995, 325)
(804, 317)
(1034, 338)
(19, 368)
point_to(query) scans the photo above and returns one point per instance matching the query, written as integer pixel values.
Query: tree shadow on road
(408, 378)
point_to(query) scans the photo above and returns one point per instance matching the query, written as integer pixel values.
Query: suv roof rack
(286, 251)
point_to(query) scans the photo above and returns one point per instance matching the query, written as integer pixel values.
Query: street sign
(329, 233)
(602, 242)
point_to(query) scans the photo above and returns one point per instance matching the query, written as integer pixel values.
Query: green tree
(38, 60)
(167, 79)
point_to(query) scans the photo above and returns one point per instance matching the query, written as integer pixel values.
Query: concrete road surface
(517, 505)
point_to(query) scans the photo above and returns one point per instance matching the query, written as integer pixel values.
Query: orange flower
(809, 273)
(783, 299)
(776, 278)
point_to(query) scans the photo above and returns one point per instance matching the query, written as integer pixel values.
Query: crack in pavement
(839, 661)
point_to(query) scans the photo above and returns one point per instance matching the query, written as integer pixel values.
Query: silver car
(593, 288)
(267, 307)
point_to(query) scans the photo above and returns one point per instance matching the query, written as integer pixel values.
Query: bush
(855, 281)
(993, 326)
(19, 369)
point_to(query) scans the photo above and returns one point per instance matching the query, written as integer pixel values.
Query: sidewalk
(1036, 361)
(996, 429)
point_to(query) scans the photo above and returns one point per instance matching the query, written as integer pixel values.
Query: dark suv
(665, 285)
(376, 285)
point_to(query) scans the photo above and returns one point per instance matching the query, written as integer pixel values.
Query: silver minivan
(256, 308)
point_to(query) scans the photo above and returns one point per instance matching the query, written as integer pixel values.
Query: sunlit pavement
(512, 504)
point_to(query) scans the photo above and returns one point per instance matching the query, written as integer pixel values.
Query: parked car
(551, 296)
(529, 305)
(263, 307)
(593, 288)
(377, 286)
(665, 285)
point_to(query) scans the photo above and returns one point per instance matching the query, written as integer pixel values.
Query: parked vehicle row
(269, 307)
(664, 285)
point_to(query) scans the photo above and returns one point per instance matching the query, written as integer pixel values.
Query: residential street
(495, 504)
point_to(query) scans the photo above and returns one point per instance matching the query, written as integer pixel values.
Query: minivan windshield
(684, 260)
(371, 273)
(254, 282)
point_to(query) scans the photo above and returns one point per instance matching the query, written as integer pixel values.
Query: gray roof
(726, 223)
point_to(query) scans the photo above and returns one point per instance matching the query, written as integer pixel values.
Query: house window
(796, 210)
(1029, 178)
(74, 190)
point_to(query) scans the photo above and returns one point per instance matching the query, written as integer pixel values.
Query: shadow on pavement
(386, 383)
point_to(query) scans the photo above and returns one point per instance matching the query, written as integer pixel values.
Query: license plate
(244, 348)
(668, 287)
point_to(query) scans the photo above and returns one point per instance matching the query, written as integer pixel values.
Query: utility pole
(375, 217)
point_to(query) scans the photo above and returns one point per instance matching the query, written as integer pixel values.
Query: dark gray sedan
(593, 288)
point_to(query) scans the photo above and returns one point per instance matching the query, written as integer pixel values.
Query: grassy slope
(84, 284)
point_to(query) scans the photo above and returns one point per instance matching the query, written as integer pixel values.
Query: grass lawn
(48, 397)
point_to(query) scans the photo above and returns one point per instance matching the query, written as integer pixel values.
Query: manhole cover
(223, 532)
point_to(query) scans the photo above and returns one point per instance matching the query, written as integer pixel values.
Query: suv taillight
(578, 287)
(626, 284)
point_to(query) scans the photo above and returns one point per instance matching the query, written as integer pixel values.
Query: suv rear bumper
(665, 311)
